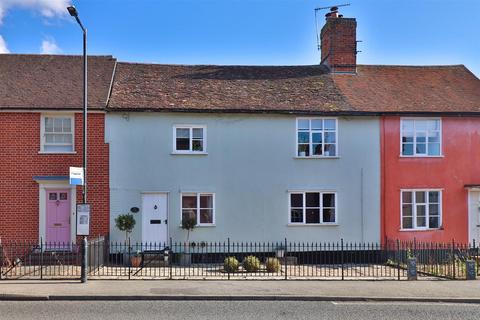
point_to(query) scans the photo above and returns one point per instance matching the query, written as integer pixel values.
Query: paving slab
(446, 291)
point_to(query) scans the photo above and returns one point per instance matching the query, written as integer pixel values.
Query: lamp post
(74, 13)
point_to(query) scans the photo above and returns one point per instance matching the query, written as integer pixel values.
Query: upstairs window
(316, 137)
(421, 137)
(313, 208)
(190, 139)
(57, 134)
(421, 209)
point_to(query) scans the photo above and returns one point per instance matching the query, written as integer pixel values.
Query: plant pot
(136, 261)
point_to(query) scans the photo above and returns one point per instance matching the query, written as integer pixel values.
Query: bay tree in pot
(126, 223)
(189, 222)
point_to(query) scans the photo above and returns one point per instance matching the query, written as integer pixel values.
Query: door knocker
(155, 207)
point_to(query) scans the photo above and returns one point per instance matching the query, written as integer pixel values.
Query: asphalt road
(72, 310)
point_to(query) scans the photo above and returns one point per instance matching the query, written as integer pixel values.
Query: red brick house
(430, 148)
(41, 137)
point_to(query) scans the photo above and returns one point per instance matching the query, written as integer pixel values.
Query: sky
(244, 32)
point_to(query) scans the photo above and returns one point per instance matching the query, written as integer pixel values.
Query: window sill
(203, 226)
(317, 157)
(420, 230)
(440, 156)
(312, 224)
(189, 153)
(57, 152)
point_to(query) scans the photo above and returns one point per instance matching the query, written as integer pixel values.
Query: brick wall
(20, 161)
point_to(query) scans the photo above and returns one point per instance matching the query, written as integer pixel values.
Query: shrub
(125, 222)
(230, 264)
(251, 264)
(272, 264)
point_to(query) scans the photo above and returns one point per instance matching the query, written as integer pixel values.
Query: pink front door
(58, 216)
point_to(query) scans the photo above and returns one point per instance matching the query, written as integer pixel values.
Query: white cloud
(49, 46)
(47, 8)
(3, 46)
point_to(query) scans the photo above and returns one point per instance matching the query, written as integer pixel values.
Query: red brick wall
(339, 44)
(20, 161)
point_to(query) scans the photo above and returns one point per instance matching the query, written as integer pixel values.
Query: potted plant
(126, 223)
(136, 259)
(189, 223)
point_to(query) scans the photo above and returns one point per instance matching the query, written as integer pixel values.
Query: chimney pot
(333, 14)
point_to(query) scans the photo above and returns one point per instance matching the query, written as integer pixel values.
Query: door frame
(469, 199)
(167, 195)
(45, 185)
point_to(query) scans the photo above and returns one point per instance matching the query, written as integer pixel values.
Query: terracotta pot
(136, 261)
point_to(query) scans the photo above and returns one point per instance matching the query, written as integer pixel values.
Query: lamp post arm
(80, 24)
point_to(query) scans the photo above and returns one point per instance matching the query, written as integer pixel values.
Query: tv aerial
(333, 8)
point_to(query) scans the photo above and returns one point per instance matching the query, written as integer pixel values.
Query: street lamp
(74, 13)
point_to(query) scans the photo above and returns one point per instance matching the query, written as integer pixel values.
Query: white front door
(154, 220)
(474, 216)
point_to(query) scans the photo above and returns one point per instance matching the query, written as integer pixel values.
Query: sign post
(83, 229)
(83, 219)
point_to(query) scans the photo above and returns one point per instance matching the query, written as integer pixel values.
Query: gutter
(49, 109)
(295, 112)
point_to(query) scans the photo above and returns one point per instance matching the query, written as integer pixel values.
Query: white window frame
(190, 127)
(304, 209)
(427, 210)
(42, 131)
(310, 138)
(198, 194)
(420, 155)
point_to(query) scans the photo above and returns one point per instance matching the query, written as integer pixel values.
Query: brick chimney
(339, 42)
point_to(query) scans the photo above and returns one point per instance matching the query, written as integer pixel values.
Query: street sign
(83, 219)
(76, 176)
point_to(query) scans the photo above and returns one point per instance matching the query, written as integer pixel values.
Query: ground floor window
(199, 206)
(421, 209)
(313, 207)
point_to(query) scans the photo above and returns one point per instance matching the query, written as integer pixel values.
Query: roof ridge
(55, 55)
(432, 66)
(216, 65)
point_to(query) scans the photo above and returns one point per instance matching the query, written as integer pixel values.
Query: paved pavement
(244, 310)
(446, 291)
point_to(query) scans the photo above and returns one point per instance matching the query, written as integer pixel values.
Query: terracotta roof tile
(225, 88)
(53, 81)
(410, 89)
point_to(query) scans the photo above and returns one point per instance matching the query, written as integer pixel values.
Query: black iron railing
(237, 260)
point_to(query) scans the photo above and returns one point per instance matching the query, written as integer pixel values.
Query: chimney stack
(339, 42)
